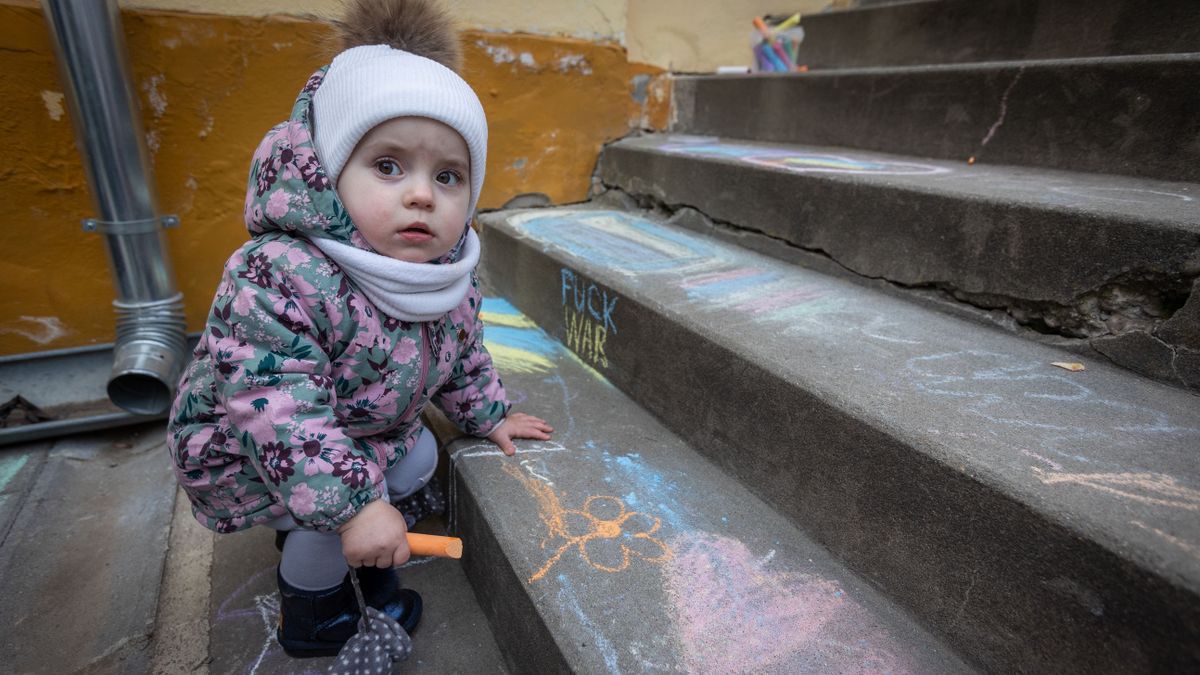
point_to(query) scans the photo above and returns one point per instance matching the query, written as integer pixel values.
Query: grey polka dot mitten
(379, 643)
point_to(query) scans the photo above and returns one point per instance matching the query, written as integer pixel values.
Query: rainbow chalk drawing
(642, 250)
(623, 241)
(737, 615)
(762, 294)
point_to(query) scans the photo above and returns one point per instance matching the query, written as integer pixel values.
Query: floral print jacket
(301, 392)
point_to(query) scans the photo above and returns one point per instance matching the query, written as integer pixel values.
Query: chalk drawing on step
(587, 317)
(1125, 195)
(569, 599)
(515, 342)
(537, 469)
(759, 294)
(520, 350)
(620, 241)
(802, 162)
(10, 466)
(1145, 488)
(1048, 462)
(784, 621)
(661, 489)
(518, 345)
(268, 612)
(1184, 546)
(603, 532)
(766, 295)
(251, 611)
(1020, 393)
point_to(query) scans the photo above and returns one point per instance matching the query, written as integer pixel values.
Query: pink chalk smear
(714, 277)
(738, 614)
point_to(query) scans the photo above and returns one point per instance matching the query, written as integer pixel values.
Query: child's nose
(419, 195)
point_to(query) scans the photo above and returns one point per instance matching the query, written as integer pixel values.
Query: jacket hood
(290, 191)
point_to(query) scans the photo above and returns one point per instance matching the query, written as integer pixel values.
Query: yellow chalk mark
(515, 360)
(509, 320)
(1146, 488)
(599, 530)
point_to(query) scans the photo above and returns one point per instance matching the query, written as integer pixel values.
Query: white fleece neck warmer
(404, 290)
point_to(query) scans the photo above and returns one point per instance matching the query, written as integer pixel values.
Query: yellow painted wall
(211, 85)
(590, 20)
(678, 35)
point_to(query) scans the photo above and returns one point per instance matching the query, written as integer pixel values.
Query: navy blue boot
(318, 623)
(381, 590)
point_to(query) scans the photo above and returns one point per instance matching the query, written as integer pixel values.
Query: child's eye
(387, 167)
(448, 177)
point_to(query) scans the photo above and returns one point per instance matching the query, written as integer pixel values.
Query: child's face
(407, 188)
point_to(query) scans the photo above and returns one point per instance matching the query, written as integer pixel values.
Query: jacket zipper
(420, 393)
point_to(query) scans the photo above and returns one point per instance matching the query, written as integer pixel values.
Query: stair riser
(1041, 264)
(519, 629)
(1128, 116)
(1013, 591)
(961, 32)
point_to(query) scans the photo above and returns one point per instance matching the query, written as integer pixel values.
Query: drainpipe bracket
(130, 226)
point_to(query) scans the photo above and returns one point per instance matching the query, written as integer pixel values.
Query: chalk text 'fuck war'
(588, 316)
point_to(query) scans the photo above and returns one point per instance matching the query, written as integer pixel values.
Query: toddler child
(354, 304)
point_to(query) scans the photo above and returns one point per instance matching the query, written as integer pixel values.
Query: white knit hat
(366, 86)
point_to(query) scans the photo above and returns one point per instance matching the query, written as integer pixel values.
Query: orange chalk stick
(433, 545)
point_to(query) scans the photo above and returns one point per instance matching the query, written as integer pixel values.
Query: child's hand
(376, 537)
(519, 425)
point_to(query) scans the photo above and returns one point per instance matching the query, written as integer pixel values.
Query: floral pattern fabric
(301, 392)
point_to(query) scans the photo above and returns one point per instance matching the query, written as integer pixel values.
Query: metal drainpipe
(94, 67)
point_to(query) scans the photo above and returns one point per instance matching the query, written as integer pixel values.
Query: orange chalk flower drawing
(607, 535)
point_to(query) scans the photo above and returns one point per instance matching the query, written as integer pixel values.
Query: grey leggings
(313, 561)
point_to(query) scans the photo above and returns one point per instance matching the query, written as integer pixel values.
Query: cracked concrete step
(941, 31)
(1108, 259)
(1041, 520)
(1129, 115)
(617, 548)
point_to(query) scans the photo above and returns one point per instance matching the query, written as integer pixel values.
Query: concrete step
(1041, 520)
(617, 548)
(1106, 261)
(957, 31)
(1129, 115)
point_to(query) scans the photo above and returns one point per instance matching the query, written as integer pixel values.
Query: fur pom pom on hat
(420, 27)
(368, 84)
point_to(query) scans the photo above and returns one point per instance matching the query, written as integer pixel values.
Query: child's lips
(416, 233)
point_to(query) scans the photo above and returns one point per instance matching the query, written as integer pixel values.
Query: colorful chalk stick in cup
(435, 546)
